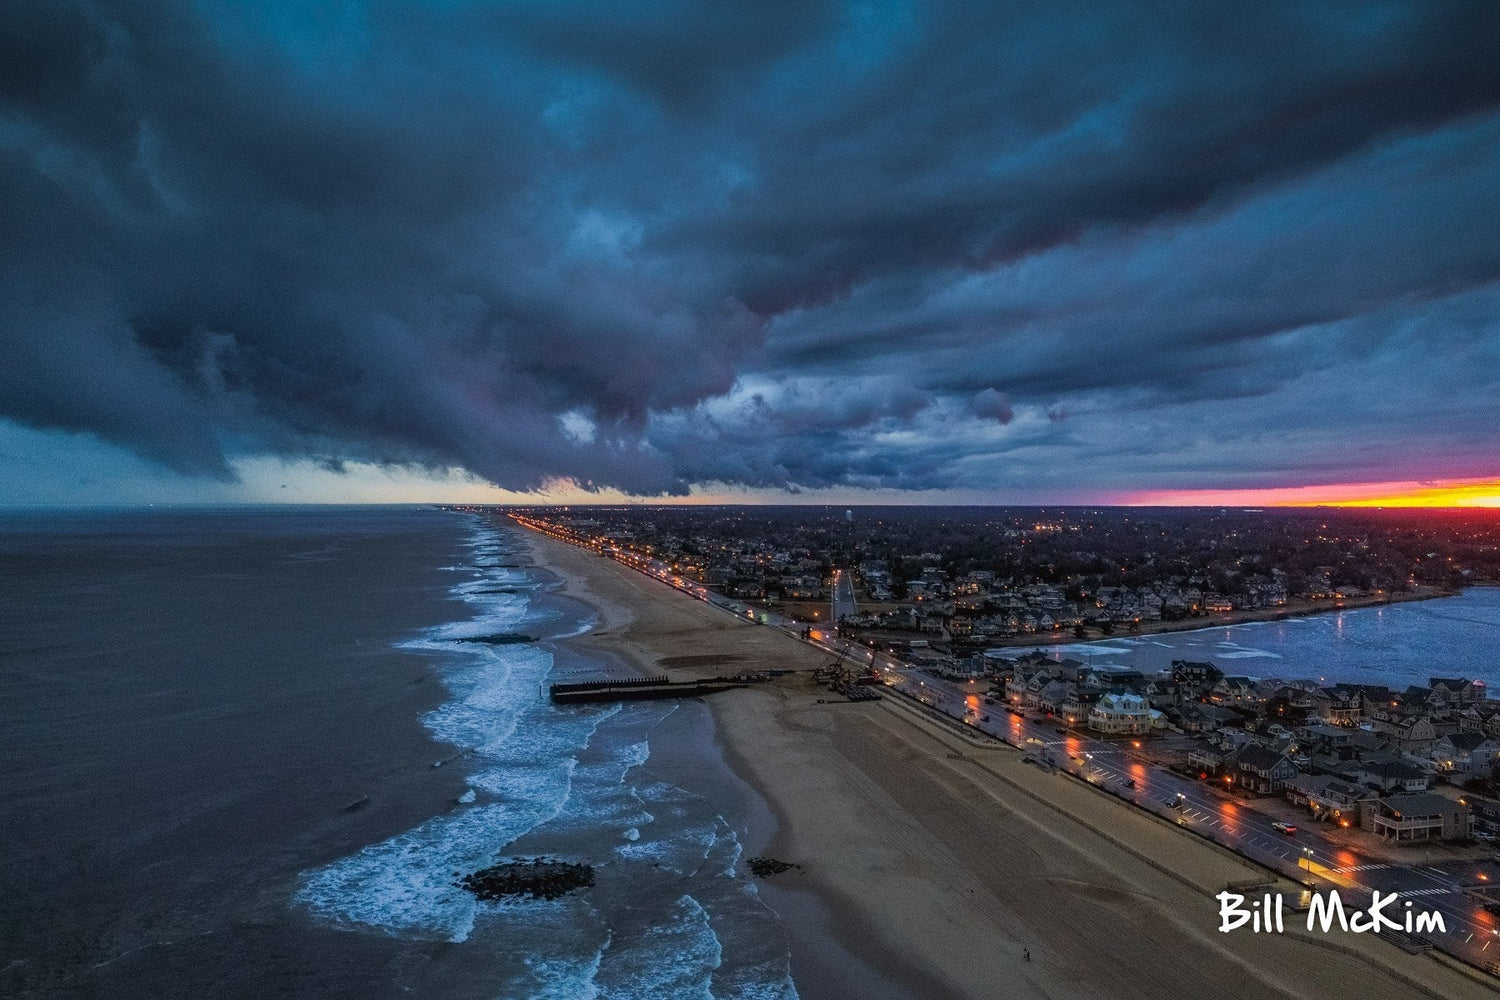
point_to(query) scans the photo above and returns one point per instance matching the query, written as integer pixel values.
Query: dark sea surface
(1395, 644)
(246, 753)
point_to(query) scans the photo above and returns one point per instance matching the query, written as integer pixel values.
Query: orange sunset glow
(1452, 493)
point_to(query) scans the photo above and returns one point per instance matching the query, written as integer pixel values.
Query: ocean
(1394, 644)
(249, 753)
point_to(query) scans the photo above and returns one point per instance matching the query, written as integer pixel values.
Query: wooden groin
(640, 689)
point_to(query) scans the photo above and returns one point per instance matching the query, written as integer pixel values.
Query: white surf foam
(675, 958)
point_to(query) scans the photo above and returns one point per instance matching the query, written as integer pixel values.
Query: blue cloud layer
(802, 245)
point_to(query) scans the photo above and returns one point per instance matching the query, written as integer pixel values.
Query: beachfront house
(1207, 757)
(1408, 818)
(1052, 697)
(1260, 770)
(1328, 797)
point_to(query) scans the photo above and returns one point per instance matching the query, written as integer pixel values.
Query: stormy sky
(1055, 251)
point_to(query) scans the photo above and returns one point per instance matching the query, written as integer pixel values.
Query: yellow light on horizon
(1454, 493)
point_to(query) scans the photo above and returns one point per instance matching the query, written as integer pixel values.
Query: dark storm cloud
(771, 244)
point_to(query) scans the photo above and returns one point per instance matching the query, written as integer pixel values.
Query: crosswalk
(1426, 892)
(1360, 868)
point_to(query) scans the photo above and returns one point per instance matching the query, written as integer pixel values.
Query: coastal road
(1450, 888)
(843, 595)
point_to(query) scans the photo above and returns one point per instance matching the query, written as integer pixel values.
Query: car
(1129, 782)
(1287, 828)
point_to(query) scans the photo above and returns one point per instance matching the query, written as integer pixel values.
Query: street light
(1307, 853)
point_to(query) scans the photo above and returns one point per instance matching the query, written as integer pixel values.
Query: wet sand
(932, 862)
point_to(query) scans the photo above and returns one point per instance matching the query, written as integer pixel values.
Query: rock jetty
(536, 878)
(499, 638)
(766, 867)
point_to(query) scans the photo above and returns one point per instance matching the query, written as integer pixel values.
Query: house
(1122, 713)
(1234, 691)
(1259, 769)
(1018, 687)
(1480, 719)
(1285, 701)
(1075, 707)
(1195, 673)
(1331, 737)
(1338, 706)
(1411, 732)
(1484, 816)
(1050, 697)
(1196, 718)
(1328, 797)
(1388, 774)
(1425, 816)
(1465, 755)
(1207, 757)
(1454, 693)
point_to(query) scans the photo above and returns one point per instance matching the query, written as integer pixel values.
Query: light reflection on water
(1396, 644)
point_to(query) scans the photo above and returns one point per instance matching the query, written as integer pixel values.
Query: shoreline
(829, 958)
(931, 861)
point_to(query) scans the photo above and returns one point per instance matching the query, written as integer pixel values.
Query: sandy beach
(931, 863)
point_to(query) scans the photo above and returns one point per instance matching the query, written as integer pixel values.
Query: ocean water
(672, 913)
(1396, 644)
(249, 754)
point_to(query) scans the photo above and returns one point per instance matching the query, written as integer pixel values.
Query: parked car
(1287, 828)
